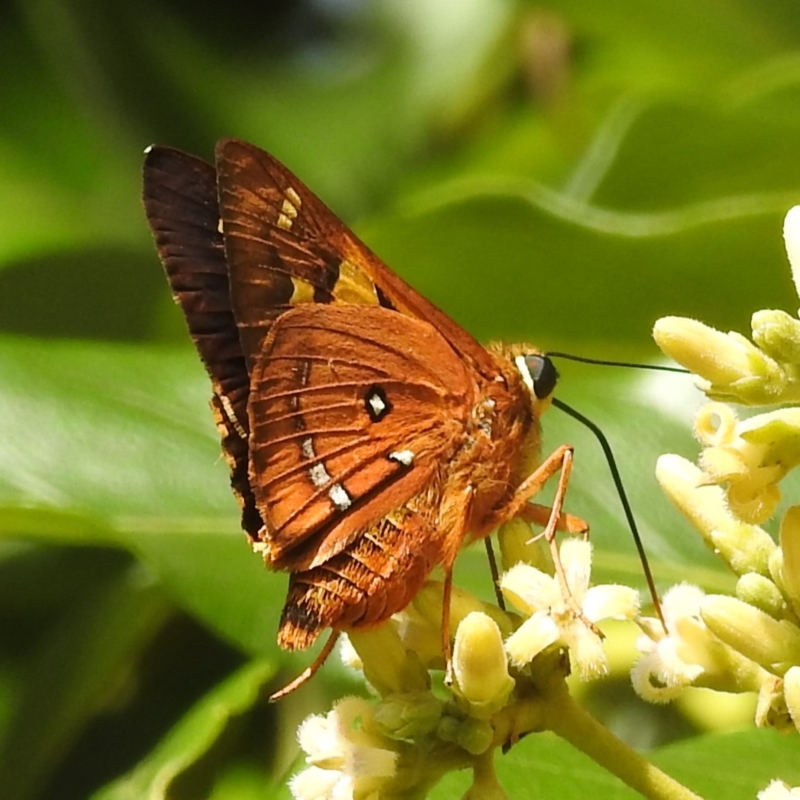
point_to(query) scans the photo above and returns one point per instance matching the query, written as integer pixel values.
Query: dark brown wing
(180, 200)
(352, 409)
(285, 247)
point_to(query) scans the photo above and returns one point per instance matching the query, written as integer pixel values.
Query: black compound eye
(543, 374)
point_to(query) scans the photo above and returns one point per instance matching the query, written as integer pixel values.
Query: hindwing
(352, 410)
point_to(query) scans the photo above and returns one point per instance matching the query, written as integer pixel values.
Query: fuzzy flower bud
(790, 552)
(480, 666)
(746, 548)
(761, 592)
(389, 666)
(775, 644)
(731, 367)
(777, 334)
(408, 714)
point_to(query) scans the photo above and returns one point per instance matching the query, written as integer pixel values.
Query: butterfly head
(540, 376)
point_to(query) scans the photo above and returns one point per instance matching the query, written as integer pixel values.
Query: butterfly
(369, 436)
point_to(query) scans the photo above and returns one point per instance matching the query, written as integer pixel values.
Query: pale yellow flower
(692, 651)
(346, 759)
(558, 615)
(671, 661)
(778, 790)
(749, 457)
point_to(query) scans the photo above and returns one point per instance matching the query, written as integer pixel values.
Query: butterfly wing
(180, 200)
(286, 250)
(285, 247)
(281, 249)
(352, 410)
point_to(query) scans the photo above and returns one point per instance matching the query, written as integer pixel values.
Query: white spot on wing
(339, 497)
(319, 475)
(228, 408)
(404, 457)
(377, 404)
(317, 472)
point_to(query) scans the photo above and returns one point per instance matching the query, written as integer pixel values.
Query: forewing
(180, 200)
(286, 248)
(352, 411)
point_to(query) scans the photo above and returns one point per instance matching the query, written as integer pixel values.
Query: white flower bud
(480, 667)
(775, 644)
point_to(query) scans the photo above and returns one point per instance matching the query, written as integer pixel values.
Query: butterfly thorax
(502, 438)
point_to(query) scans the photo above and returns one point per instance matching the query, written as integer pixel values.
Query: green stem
(563, 716)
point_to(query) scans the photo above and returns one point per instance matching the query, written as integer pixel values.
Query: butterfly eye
(543, 374)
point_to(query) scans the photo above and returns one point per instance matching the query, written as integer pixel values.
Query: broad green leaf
(723, 766)
(77, 669)
(163, 774)
(732, 765)
(513, 260)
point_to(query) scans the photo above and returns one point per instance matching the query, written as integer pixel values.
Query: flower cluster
(406, 739)
(751, 641)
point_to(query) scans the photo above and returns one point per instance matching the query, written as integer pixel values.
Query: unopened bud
(777, 334)
(731, 366)
(775, 644)
(746, 548)
(790, 552)
(480, 666)
(761, 592)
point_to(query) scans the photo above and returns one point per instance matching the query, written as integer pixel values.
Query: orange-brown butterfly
(369, 436)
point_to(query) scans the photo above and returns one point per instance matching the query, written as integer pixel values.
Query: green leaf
(77, 669)
(731, 766)
(165, 773)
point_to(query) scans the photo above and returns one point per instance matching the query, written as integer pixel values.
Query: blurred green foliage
(560, 172)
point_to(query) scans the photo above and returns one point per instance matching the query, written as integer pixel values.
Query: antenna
(612, 463)
(605, 363)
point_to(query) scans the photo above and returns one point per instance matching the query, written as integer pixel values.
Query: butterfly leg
(566, 523)
(559, 462)
(309, 672)
(447, 592)
(455, 514)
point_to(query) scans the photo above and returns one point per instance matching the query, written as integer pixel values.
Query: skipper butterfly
(368, 435)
